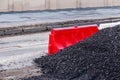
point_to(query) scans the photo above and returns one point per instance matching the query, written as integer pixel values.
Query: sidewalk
(36, 21)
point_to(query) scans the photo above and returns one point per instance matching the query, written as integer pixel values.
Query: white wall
(22, 5)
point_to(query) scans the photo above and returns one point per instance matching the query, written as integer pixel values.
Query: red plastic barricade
(64, 37)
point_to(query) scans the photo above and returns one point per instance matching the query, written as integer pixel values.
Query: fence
(23, 5)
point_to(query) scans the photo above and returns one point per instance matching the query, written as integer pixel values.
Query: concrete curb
(40, 27)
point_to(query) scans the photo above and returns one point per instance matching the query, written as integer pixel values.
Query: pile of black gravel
(95, 58)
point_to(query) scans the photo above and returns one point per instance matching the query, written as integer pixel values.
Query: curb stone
(1, 33)
(40, 27)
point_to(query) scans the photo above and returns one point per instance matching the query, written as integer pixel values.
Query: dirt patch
(16, 74)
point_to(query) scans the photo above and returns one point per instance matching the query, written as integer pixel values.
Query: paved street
(10, 19)
(22, 49)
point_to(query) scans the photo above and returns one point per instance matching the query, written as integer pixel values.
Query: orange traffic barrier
(64, 37)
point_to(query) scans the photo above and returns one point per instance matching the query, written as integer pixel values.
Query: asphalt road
(20, 18)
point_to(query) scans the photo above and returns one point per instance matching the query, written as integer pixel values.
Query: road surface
(10, 19)
(19, 51)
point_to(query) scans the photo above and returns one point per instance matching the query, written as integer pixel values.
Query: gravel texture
(95, 58)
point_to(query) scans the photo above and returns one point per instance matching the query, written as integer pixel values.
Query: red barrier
(64, 37)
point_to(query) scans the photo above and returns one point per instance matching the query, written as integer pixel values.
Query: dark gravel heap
(95, 58)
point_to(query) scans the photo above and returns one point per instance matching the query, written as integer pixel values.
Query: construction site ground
(17, 54)
(18, 51)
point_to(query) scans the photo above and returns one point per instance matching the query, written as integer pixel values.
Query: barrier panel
(64, 37)
(108, 25)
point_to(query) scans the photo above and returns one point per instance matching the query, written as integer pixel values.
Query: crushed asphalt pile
(95, 58)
